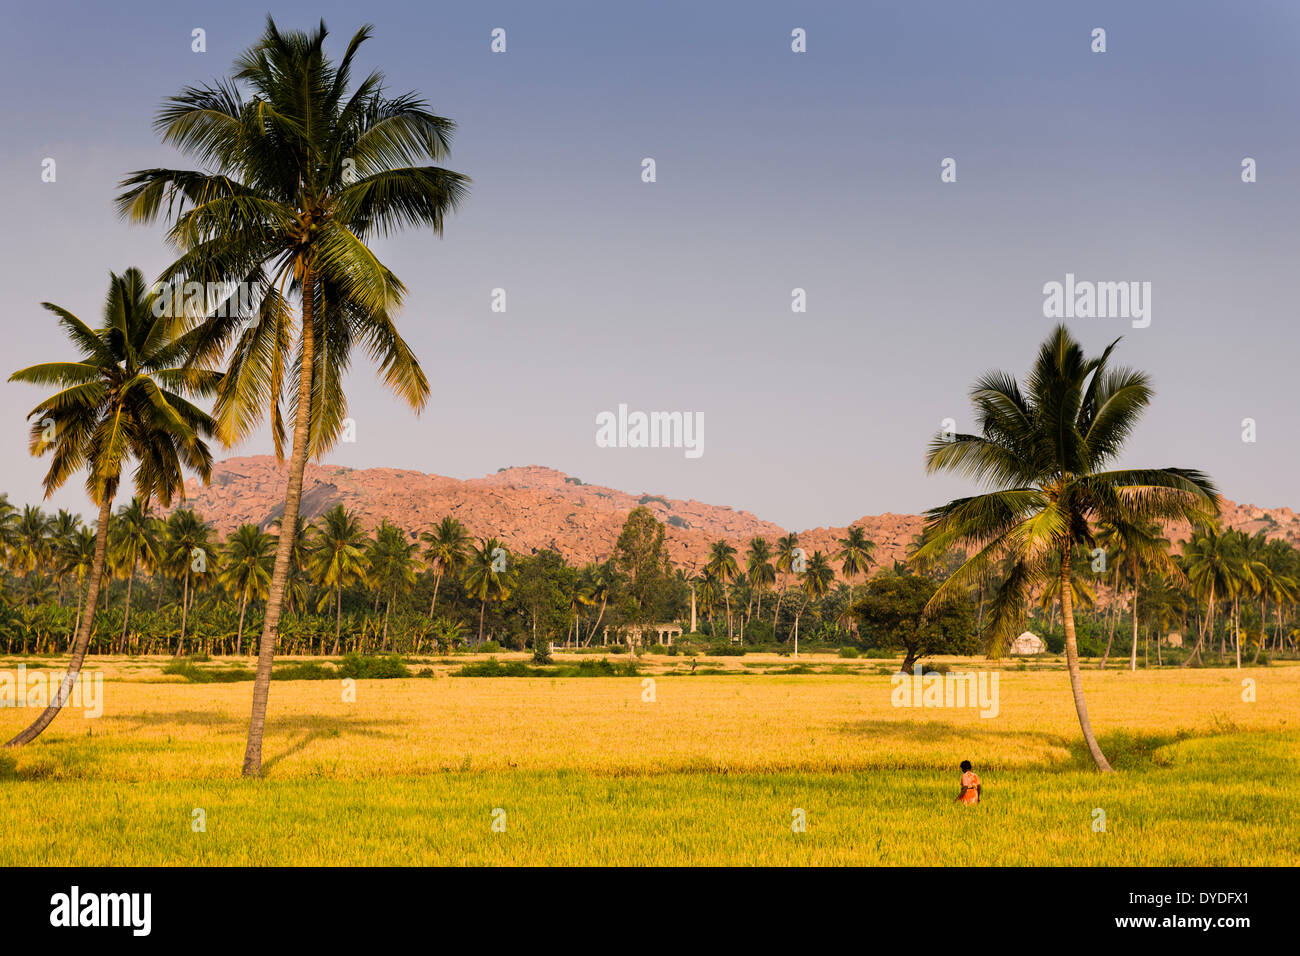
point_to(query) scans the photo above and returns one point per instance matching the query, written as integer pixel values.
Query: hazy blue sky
(775, 170)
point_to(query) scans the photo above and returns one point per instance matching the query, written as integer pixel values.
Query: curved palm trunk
(437, 580)
(595, 627)
(1207, 623)
(1072, 663)
(284, 550)
(87, 625)
(483, 607)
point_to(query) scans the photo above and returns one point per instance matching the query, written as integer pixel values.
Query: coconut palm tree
(1205, 562)
(854, 554)
(722, 565)
(336, 558)
(786, 549)
(1136, 550)
(392, 569)
(447, 550)
(1046, 450)
(298, 173)
(187, 550)
(759, 569)
(246, 569)
(8, 521)
(132, 542)
(815, 582)
(123, 399)
(601, 582)
(488, 572)
(33, 545)
(76, 556)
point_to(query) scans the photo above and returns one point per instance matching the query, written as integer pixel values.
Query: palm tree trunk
(483, 607)
(239, 635)
(1205, 624)
(1133, 653)
(1236, 631)
(388, 608)
(1072, 663)
(185, 610)
(130, 582)
(338, 617)
(83, 632)
(437, 580)
(289, 520)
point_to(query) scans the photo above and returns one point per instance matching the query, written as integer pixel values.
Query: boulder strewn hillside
(534, 507)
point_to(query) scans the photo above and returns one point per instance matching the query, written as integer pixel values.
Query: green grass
(1167, 810)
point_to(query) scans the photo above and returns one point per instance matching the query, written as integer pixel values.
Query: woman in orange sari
(970, 785)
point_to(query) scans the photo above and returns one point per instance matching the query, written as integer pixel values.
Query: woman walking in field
(970, 785)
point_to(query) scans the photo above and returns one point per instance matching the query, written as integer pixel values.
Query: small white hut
(1026, 644)
(1175, 639)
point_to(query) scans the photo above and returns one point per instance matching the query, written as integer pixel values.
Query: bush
(725, 650)
(209, 675)
(372, 668)
(307, 670)
(494, 668)
(850, 652)
(488, 647)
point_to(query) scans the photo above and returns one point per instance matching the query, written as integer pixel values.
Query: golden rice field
(713, 770)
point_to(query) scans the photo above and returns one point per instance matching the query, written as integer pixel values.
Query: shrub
(372, 668)
(307, 670)
(213, 675)
(488, 647)
(850, 652)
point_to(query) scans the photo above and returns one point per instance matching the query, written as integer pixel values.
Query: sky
(774, 171)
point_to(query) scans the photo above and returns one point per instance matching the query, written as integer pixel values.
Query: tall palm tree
(722, 565)
(785, 555)
(33, 545)
(76, 556)
(187, 547)
(486, 575)
(1046, 450)
(63, 528)
(246, 569)
(336, 558)
(123, 399)
(8, 522)
(815, 582)
(446, 552)
(132, 542)
(1205, 561)
(298, 173)
(1136, 550)
(854, 554)
(759, 569)
(601, 585)
(392, 568)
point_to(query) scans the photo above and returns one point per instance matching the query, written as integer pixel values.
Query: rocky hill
(532, 508)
